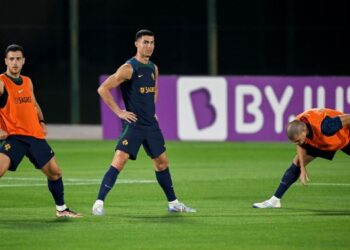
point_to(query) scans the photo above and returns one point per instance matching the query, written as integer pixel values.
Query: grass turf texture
(220, 180)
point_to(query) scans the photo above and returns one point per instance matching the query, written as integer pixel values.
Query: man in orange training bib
(23, 129)
(316, 133)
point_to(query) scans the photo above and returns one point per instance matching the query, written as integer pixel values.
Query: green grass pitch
(220, 180)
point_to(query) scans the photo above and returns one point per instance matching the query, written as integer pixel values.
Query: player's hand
(3, 134)
(127, 116)
(304, 176)
(43, 126)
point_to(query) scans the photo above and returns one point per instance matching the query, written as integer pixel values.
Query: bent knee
(161, 163)
(4, 164)
(120, 159)
(55, 174)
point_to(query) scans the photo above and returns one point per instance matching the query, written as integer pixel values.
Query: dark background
(255, 37)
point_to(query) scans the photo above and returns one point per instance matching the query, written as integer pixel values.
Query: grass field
(220, 180)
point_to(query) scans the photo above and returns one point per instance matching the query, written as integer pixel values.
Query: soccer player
(23, 129)
(137, 79)
(316, 133)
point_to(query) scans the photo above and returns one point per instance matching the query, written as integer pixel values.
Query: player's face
(145, 46)
(14, 61)
(300, 139)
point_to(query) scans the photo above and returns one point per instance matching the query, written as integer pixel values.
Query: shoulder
(153, 65)
(133, 63)
(126, 68)
(124, 72)
(27, 80)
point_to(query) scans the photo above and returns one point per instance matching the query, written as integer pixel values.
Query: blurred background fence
(252, 37)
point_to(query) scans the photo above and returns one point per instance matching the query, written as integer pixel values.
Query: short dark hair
(14, 47)
(143, 32)
(295, 128)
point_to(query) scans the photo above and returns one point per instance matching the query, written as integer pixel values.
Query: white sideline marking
(67, 182)
(329, 184)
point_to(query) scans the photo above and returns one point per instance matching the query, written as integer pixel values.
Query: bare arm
(156, 84)
(3, 133)
(345, 119)
(39, 111)
(301, 153)
(122, 74)
(1, 87)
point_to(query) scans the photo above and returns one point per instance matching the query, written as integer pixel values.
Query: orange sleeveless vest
(19, 116)
(329, 143)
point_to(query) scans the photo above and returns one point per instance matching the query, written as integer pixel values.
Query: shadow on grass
(166, 218)
(320, 212)
(35, 223)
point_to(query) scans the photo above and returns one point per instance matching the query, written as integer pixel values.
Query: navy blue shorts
(329, 155)
(132, 137)
(17, 146)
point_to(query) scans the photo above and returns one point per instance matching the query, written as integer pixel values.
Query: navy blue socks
(290, 176)
(108, 182)
(164, 180)
(56, 189)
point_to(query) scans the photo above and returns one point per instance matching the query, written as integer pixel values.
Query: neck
(142, 59)
(16, 75)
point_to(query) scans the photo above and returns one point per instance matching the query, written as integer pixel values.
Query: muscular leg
(55, 183)
(52, 170)
(119, 160)
(291, 175)
(163, 176)
(4, 164)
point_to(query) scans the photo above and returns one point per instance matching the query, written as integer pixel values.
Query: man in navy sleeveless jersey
(137, 79)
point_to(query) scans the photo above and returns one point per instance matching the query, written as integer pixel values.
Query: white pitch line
(67, 182)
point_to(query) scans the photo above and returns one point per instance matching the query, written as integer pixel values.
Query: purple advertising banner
(235, 108)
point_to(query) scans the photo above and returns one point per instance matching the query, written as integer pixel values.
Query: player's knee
(52, 171)
(58, 173)
(161, 163)
(120, 159)
(119, 163)
(55, 174)
(4, 166)
(2, 172)
(164, 164)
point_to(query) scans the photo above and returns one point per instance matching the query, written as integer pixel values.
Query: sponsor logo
(20, 91)
(146, 90)
(139, 76)
(202, 108)
(125, 142)
(24, 99)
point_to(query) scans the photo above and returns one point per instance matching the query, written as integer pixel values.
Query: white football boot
(178, 207)
(97, 208)
(273, 202)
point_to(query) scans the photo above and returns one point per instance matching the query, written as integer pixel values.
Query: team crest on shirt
(7, 147)
(125, 142)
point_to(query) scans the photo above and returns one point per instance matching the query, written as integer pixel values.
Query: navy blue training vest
(138, 92)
